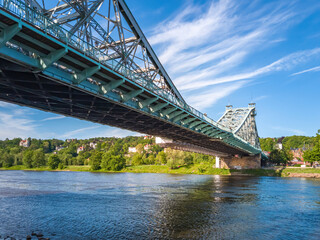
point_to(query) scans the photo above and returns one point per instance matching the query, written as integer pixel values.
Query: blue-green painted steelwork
(176, 112)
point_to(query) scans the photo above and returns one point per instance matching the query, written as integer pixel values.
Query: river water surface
(82, 205)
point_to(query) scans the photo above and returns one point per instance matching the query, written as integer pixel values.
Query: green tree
(27, 158)
(151, 159)
(313, 155)
(112, 162)
(267, 144)
(95, 160)
(280, 157)
(53, 161)
(7, 160)
(137, 159)
(162, 157)
(38, 158)
(140, 148)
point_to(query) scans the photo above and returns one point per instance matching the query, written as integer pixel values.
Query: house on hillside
(93, 145)
(79, 149)
(279, 145)
(59, 148)
(132, 150)
(24, 143)
(147, 147)
(297, 153)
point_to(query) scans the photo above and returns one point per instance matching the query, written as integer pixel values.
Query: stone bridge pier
(233, 162)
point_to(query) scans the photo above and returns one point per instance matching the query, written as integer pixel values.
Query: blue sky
(217, 53)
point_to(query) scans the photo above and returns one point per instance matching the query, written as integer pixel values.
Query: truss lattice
(109, 26)
(241, 121)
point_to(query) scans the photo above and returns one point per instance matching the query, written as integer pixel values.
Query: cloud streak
(290, 130)
(52, 118)
(314, 69)
(76, 132)
(207, 47)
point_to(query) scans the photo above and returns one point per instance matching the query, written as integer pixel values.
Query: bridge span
(90, 60)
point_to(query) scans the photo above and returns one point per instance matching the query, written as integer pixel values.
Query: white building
(80, 149)
(279, 146)
(132, 150)
(59, 148)
(24, 143)
(93, 145)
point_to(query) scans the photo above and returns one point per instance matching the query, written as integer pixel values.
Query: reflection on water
(77, 205)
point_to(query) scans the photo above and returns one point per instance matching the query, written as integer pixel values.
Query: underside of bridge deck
(39, 91)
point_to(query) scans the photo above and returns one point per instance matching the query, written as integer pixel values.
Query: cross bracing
(48, 64)
(241, 121)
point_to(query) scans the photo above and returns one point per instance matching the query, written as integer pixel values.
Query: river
(83, 205)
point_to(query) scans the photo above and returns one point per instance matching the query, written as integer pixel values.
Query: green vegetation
(313, 155)
(258, 172)
(113, 155)
(268, 144)
(100, 154)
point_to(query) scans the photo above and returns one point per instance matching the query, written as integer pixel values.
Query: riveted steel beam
(206, 129)
(189, 120)
(201, 126)
(82, 76)
(194, 124)
(158, 107)
(147, 102)
(9, 32)
(110, 86)
(127, 96)
(52, 57)
(214, 133)
(169, 110)
(175, 114)
(178, 118)
(211, 131)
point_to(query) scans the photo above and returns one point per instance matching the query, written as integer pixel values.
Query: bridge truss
(90, 60)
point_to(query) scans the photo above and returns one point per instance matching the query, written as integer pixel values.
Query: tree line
(108, 153)
(310, 146)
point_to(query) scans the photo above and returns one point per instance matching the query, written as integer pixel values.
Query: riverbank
(190, 169)
(200, 169)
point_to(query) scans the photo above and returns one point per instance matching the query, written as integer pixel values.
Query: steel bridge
(89, 59)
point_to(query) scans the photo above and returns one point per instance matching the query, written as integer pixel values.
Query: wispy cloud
(13, 125)
(118, 132)
(290, 130)
(282, 64)
(315, 69)
(52, 118)
(208, 46)
(257, 99)
(208, 98)
(76, 132)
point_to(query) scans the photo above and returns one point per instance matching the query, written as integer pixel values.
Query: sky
(217, 52)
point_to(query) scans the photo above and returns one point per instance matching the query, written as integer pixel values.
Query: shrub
(137, 159)
(61, 166)
(95, 160)
(27, 158)
(53, 161)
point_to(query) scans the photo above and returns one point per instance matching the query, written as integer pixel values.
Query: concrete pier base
(247, 162)
(218, 162)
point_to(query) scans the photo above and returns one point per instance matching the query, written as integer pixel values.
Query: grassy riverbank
(191, 169)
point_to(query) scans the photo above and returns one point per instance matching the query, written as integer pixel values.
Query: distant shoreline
(191, 169)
